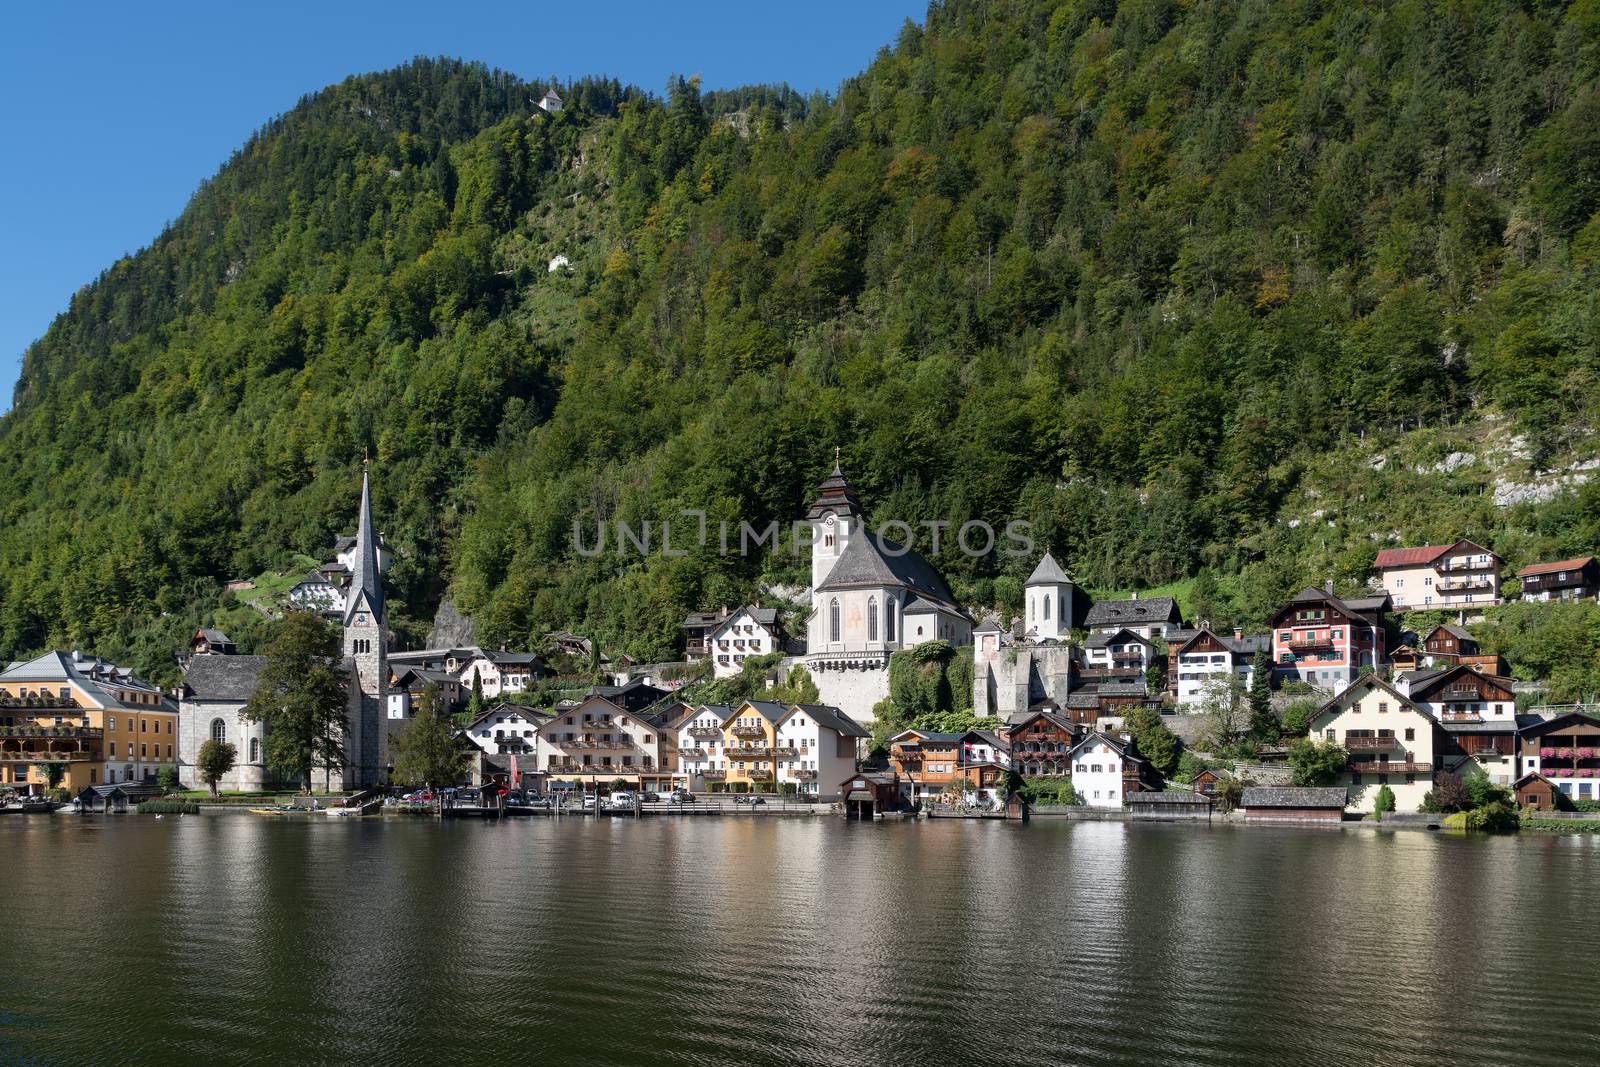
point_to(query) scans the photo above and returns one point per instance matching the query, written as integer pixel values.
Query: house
(1119, 653)
(630, 696)
(931, 765)
(700, 762)
(507, 729)
(1390, 739)
(1405, 658)
(1534, 790)
(815, 744)
(551, 102)
(1154, 616)
(500, 672)
(1105, 770)
(1439, 576)
(1155, 804)
(869, 794)
(1449, 642)
(598, 742)
(870, 597)
(105, 799)
(103, 723)
(1208, 655)
(212, 643)
(1209, 780)
(1565, 750)
(749, 738)
(697, 629)
(1293, 803)
(1566, 579)
(1040, 743)
(1048, 608)
(407, 684)
(316, 593)
(1477, 717)
(740, 635)
(1324, 641)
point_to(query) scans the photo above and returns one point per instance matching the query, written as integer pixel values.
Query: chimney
(1238, 633)
(1328, 586)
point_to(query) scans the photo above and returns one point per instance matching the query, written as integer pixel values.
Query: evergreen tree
(301, 696)
(1264, 725)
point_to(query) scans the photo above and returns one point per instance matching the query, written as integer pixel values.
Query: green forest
(1207, 291)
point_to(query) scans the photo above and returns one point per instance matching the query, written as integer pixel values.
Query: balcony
(907, 755)
(714, 776)
(1471, 581)
(689, 755)
(1466, 564)
(749, 731)
(706, 733)
(749, 752)
(805, 776)
(1460, 716)
(1127, 659)
(80, 756)
(1391, 768)
(40, 700)
(34, 732)
(1305, 643)
(1385, 743)
(786, 752)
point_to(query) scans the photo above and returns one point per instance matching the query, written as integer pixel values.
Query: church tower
(1048, 591)
(835, 516)
(366, 648)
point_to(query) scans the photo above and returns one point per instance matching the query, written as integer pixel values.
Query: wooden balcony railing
(1384, 742)
(748, 731)
(1391, 768)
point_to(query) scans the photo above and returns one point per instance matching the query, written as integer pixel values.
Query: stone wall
(1008, 679)
(854, 692)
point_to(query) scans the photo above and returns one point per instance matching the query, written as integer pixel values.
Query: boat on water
(29, 806)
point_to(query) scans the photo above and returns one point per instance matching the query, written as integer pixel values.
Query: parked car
(621, 800)
(589, 801)
(681, 796)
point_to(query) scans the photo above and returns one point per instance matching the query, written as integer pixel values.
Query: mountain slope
(1158, 277)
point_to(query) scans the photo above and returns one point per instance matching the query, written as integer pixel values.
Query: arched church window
(255, 750)
(219, 730)
(888, 619)
(1047, 607)
(872, 618)
(833, 619)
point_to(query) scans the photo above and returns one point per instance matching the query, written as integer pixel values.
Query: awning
(860, 794)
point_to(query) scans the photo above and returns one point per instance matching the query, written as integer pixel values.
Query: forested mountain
(1237, 290)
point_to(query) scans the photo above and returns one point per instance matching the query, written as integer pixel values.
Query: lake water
(739, 940)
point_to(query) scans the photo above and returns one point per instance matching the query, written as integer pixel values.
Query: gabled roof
(1421, 556)
(1125, 612)
(1350, 609)
(767, 617)
(94, 676)
(1426, 681)
(1453, 630)
(770, 710)
(1571, 718)
(1361, 684)
(872, 560)
(1575, 564)
(1244, 645)
(223, 677)
(1121, 748)
(535, 717)
(1016, 725)
(1048, 572)
(214, 637)
(1533, 776)
(989, 625)
(831, 717)
(1115, 637)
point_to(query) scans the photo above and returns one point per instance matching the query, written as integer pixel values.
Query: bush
(1495, 817)
(1383, 802)
(168, 807)
(1050, 791)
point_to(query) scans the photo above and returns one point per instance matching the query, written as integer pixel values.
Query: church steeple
(835, 494)
(366, 583)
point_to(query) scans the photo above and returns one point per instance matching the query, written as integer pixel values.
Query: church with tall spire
(366, 648)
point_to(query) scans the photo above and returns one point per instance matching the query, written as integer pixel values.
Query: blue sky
(112, 113)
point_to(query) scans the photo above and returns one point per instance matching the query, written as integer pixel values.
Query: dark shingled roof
(1122, 636)
(223, 677)
(1124, 612)
(1286, 796)
(1150, 796)
(833, 718)
(872, 560)
(1047, 572)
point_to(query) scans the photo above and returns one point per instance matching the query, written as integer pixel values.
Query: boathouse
(870, 794)
(105, 798)
(1294, 803)
(1149, 804)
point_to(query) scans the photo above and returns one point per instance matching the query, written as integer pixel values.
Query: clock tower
(366, 649)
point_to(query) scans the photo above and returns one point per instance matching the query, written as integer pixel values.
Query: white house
(816, 745)
(597, 742)
(1120, 651)
(1155, 616)
(1389, 738)
(1439, 576)
(750, 631)
(551, 101)
(1102, 766)
(1048, 597)
(1208, 655)
(507, 729)
(317, 594)
(700, 759)
(501, 672)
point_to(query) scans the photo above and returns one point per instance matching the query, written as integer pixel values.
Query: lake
(738, 940)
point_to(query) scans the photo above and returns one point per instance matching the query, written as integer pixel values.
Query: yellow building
(749, 739)
(101, 723)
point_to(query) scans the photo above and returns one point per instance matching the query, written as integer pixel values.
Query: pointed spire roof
(836, 494)
(1048, 572)
(365, 582)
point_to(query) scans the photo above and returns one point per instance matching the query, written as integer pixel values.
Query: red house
(1325, 641)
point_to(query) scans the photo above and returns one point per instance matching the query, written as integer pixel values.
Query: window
(1047, 607)
(1411, 735)
(872, 618)
(219, 731)
(111, 722)
(144, 750)
(1383, 707)
(144, 726)
(833, 619)
(888, 619)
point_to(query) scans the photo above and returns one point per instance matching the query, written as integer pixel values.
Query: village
(1063, 704)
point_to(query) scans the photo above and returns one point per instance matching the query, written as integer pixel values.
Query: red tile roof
(1409, 557)
(1558, 565)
